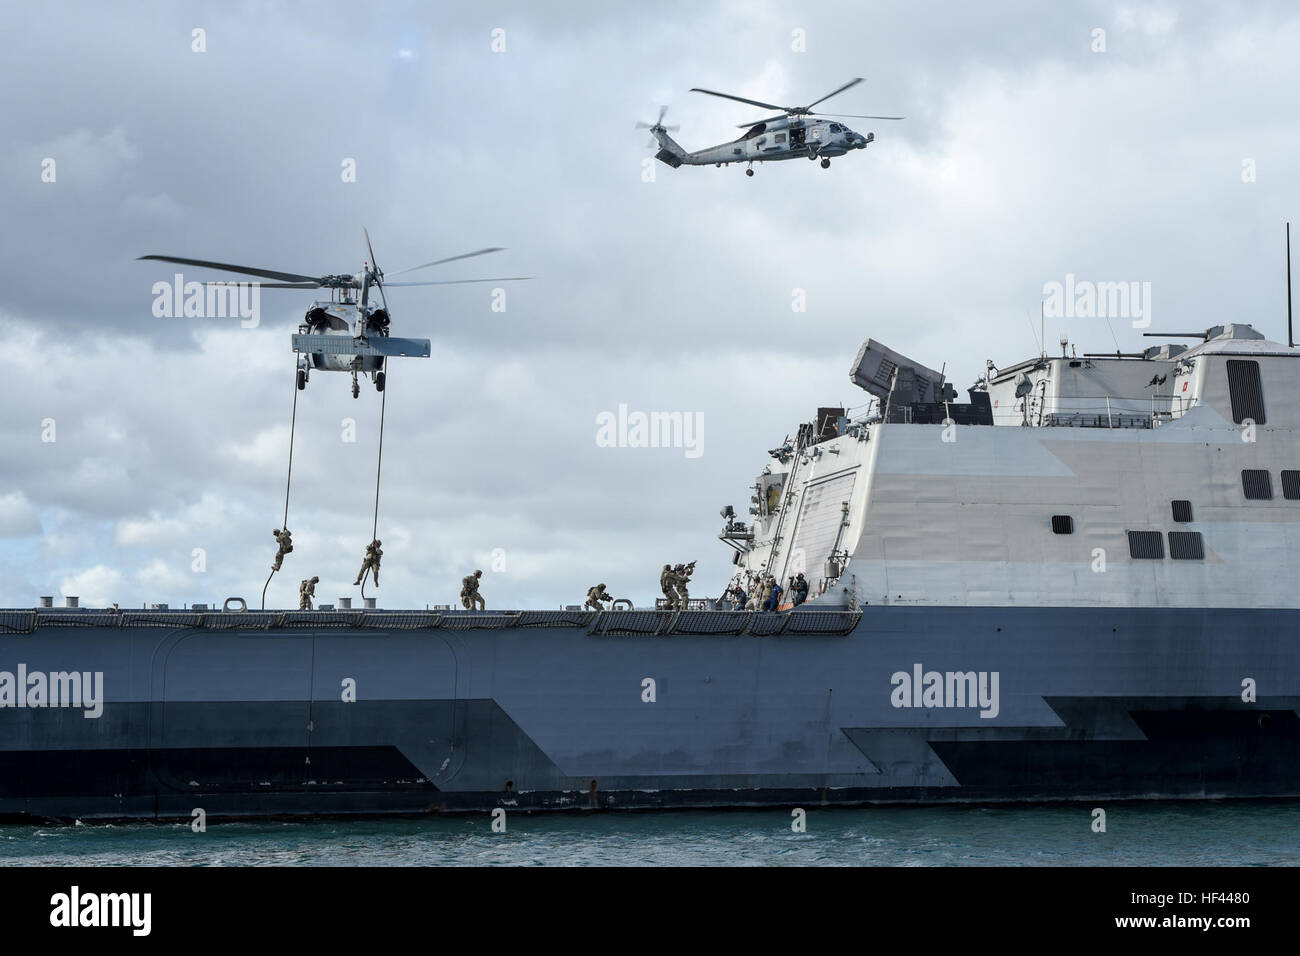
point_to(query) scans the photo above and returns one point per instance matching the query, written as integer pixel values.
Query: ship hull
(912, 705)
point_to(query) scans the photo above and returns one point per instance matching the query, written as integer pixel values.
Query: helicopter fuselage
(335, 318)
(779, 139)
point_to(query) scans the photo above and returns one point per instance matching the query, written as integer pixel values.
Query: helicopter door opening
(797, 137)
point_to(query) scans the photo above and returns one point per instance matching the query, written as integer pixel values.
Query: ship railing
(827, 622)
(611, 623)
(1098, 411)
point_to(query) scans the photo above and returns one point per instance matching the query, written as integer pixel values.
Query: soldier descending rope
(370, 564)
(307, 591)
(285, 540)
(597, 595)
(469, 596)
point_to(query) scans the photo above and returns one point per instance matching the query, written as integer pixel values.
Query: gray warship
(1077, 584)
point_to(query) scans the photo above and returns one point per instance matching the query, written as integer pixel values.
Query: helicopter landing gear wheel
(826, 164)
(379, 381)
(749, 172)
(302, 379)
(356, 388)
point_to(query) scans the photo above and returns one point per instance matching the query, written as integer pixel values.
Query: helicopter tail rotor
(657, 127)
(669, 150)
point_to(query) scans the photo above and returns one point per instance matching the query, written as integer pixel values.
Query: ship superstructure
(1169, 478)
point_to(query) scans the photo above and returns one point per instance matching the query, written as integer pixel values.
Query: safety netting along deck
(597, 623)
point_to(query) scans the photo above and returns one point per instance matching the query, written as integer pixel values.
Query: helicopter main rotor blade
(756, 122)
(461, 281)
(243, 270)
(438, 262)
(269, 285)
(739, 99)
(853, 82)
(379, 273)
(859, 116)
(371, 249)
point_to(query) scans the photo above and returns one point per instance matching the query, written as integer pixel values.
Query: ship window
(1146, 544)
(1182, 510)
(1246, 392)
(1186, 545)
(1062, 524)
(1291, 485)
(1257, 484)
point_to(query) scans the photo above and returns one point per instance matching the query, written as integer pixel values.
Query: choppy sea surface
(1156, 834)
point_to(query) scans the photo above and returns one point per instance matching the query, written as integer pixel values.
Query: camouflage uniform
(595, 596)
(371, 563)
(469, 595)
(285, 540)
(307, 591)
(683, 578)
(667, 580)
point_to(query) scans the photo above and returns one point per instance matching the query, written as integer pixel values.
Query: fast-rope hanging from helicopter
(373, 553)
(283, 537)
(319, 338)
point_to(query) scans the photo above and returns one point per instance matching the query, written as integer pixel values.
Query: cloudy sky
(1163, 150)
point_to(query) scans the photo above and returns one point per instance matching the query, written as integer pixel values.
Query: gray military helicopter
(794, 135)
(327, 341)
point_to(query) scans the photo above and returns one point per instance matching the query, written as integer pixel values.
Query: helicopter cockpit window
(836, 128)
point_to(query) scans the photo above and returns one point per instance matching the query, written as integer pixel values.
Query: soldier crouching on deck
(597, 595)
(469, 595)
(307, 591)
(285, 540)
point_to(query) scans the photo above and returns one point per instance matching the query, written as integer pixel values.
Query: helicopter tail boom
(669, 151)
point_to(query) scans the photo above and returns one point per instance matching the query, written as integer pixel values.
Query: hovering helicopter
(790, 136)
(326, 340)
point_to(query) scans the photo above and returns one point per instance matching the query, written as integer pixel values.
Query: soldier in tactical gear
(285, 540)
(684, 573)
(469, 595)
(597, 595)
(371, 563)
(307, 591)
(667, 582)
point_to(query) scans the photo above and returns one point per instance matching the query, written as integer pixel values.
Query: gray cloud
(1025, 156)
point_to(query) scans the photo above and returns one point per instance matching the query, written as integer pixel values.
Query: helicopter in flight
(347, 332)
(797, 133)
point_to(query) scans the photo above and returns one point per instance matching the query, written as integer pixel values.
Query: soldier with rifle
(595, 597)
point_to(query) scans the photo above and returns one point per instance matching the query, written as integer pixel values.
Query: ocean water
(1155, 834)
